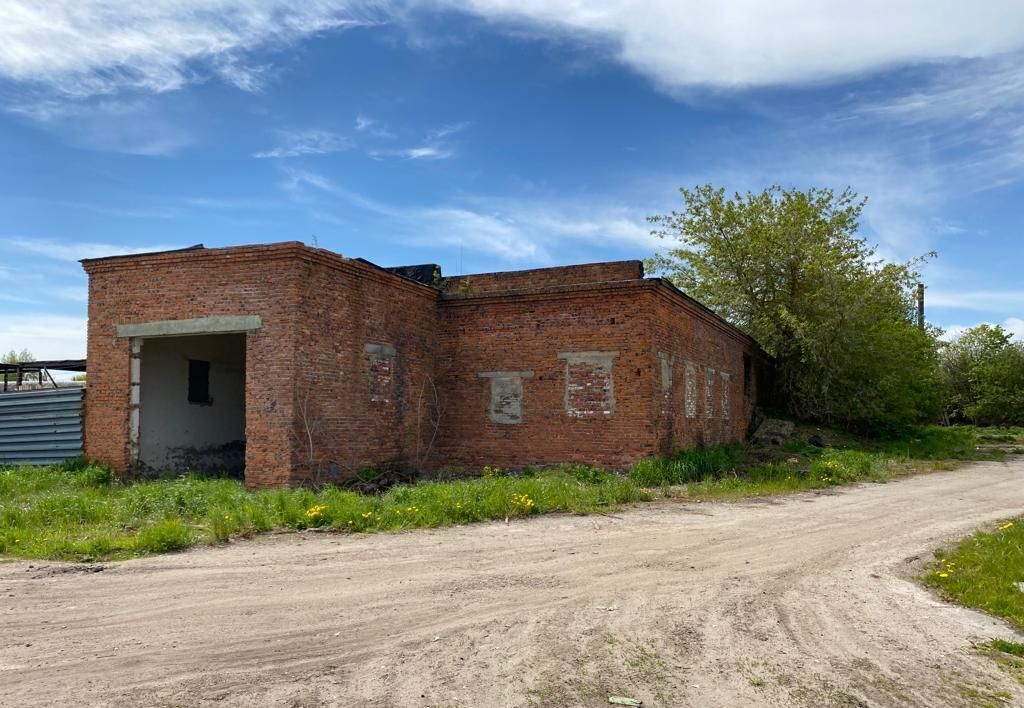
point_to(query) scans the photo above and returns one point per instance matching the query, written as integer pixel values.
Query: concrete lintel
(382, 350)
(199, 325)
(505, 374)
(592, 358)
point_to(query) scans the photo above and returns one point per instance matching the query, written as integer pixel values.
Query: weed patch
(81, 513)
(983, 570)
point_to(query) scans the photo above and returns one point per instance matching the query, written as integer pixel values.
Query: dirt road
(803, 600)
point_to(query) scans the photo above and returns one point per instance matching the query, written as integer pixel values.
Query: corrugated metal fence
(41, 427)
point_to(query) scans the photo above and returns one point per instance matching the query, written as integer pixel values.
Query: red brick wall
(485, 283)
(349, 356)
(685, 333)
(527, 334)
(184, 285)
(366, 349)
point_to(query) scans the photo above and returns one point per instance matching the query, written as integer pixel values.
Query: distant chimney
(920, 305)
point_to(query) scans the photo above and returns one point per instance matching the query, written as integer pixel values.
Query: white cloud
(982, 300)
(134, 127)
(514, 230)
(307, 142)
(434, 147)
(46, 336)
(84, 48)
(72, 252)
(87, 47)
(681, 43)
(1013, 325)
(446, 130)
(422, 152)
(372, 127)
(971, 115)
(74, 293)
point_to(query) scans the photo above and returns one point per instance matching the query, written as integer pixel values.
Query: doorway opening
(192, 404)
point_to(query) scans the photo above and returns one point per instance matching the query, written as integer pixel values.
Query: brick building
(296, 363)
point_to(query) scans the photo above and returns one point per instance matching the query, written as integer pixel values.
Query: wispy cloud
(72, 252)
(514, 230)
(84, 48)
(47, 336)
(971, 113)
(422, 152)
(444, 131)
(981, 300)
(371, 127)
(87, 47)
(435, 145)
(135, 127)
(306, 142)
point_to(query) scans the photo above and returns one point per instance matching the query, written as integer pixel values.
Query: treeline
(789, 267)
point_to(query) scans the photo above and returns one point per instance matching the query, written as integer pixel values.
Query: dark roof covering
(196, 247)
(55, 364)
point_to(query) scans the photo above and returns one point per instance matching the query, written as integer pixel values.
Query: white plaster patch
(381, 359)
(667, 362)
(506, 399)
(709, 392)
(691, 390)
(589, 384)
(726, 393)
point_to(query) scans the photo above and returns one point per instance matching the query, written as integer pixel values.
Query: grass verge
(982, 571)
(736, 472)
(82, 513)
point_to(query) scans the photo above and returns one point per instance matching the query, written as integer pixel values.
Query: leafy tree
(984, 372)
(788, 267)
(15, 357)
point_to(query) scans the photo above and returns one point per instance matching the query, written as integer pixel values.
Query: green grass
(1013, 648)
(955, 442)
(82, 513)
(736, 472)
(686, 466)
(982, 571)
(829, 468)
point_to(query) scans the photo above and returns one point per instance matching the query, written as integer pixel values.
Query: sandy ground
(804, 600)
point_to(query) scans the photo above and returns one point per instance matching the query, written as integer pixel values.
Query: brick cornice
(285, 250)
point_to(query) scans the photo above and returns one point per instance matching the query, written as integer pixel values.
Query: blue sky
(490, 134)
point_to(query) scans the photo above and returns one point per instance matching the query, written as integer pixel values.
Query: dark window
(748, 375)
(199, 382)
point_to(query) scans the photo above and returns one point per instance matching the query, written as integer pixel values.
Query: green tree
(15, 357)
(788, 267)
(984, 375)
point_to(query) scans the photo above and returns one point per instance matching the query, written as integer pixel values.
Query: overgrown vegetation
(983, 371)
(788, 267)
(982, 571)
(736, 471)
(81, 512)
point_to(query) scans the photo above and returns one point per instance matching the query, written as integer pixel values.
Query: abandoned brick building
(296, 363)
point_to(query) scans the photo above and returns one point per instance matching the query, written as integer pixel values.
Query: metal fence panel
(41, 427)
